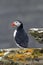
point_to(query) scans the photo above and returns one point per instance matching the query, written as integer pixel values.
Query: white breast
(15, 33)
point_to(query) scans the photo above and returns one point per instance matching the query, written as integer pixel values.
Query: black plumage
(21, 37)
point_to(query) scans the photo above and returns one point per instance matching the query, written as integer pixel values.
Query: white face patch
(17, 23)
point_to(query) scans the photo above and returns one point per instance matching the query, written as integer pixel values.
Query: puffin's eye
(16, 22)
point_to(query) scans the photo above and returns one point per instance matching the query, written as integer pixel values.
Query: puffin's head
(17, 23)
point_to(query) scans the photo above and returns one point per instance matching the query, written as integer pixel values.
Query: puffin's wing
(22, 38)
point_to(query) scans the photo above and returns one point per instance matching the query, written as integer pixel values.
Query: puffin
(20, 36)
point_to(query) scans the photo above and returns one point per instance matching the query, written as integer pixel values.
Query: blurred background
(30, 12)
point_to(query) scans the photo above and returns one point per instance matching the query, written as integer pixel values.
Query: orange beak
(12, 24)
